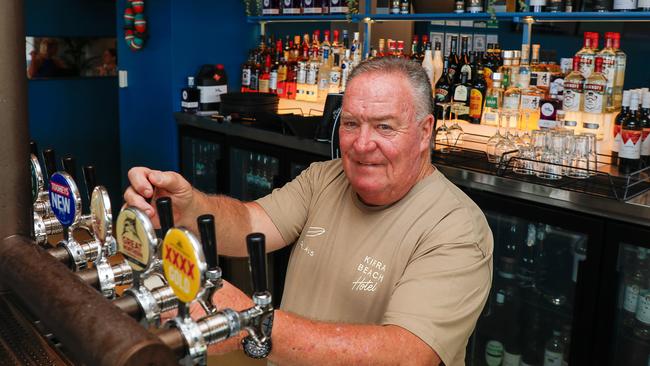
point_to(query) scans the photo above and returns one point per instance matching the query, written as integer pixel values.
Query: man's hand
(147, 185)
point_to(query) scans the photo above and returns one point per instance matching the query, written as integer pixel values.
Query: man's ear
(426, 127)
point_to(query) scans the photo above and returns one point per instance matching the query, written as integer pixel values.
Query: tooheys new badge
(183, 263)
(64, 198)
(136, 238)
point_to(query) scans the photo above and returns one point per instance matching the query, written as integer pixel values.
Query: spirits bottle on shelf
(608, 55)
(465, 63)
(624, 5)
(635, 280)
(539, 71)
(477, 97)
(645, 126)
(415, 48)
(493, 101)
(616, 128)
(554, 350)
(453, 69)
(335, 76)
(537, 6)
(629, 153)
(346, 69)
(460, 97)
(475, 6)
(643, 5)
(427, 64)
(355, 49)
(437, 64)
(595, 101)
(443, 89)
(190, 96)
(573, 93)
(587, 56)
(621, 62)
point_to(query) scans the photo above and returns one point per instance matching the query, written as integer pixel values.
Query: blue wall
(183, 36)
(77, 116)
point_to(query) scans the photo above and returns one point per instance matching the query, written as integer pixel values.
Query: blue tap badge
(64, 198)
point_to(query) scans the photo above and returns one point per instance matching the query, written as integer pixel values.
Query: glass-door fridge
(201, 162)
(625, 299)
(540, 306)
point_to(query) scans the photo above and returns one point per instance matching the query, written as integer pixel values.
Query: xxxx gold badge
(183, 263)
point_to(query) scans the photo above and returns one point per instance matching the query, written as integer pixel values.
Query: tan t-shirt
(423, 263)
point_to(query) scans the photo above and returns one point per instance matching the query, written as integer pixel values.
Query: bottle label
(590, 125)
(264, 85)
(645, 143)
(335, 78)
(557, 87)
(441, 94)
(537, 2)
(246, 77)
(511, 102)
(468, 70)
(609, 69)
(547, 110)
(254, 82)
(621, 62)
(631, 298)
(643, 4)
(586, 65)
(190, 105)
(475, 103)
(212, 94)
(547, 123)
(594, 98)
(624, 4)
(324, 82)
(311, 76)
(510, 359)
(301, 76)
(571, 101)
(552, 358)
(630, 144)
(618, 140)
(490, 118)
(530, 102)
(273, 80)
(493, 353)
(492, 101)
(460, 94)
(643, 307)
(543, 79)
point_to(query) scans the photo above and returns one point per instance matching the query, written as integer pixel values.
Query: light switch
(123, 77)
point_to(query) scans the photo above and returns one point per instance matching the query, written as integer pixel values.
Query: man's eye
(349, 124)
(384, 127)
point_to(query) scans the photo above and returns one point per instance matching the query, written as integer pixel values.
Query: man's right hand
(147, 185)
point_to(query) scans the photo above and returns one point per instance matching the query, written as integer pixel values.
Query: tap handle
(33, 149)
(69, 167)
(256, 243)
(49, 159)
(208, 239)
(90, 178)
(165, 214)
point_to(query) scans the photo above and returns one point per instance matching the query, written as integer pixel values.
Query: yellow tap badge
(183, 263)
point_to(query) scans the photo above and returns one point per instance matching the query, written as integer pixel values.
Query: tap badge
(136, 239)
(183, 263)
(100, 212)
(64, 198)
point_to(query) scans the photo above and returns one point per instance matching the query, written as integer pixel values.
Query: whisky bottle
(539, 71)
(190, 96)
(573, 93)
(595, 101)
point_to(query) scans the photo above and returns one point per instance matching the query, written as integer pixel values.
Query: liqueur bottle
(460, 97)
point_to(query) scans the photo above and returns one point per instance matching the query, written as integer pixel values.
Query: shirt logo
(371, 275)
(314, 231)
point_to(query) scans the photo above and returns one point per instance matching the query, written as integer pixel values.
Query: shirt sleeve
(442, 292)
(288, 206)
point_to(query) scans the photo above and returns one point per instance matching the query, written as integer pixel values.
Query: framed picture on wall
(70, 57)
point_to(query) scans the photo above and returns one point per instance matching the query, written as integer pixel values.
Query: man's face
(382, 145)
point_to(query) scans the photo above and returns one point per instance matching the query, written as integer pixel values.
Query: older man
(392, 263)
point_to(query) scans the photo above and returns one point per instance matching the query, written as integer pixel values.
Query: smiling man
(392, 263)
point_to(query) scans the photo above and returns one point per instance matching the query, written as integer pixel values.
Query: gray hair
(417, 77)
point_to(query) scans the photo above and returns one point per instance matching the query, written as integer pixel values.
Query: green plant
(353, 8)
(252, 7)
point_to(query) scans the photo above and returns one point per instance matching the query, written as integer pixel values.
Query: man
(392, 263)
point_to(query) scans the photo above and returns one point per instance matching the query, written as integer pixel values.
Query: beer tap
(185, 268)
(69, 166)
(138, 244)
(213, 282)
(45, 223)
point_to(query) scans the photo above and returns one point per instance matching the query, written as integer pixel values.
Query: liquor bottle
(415, 48)
(601, 5)
(312, 7)
(477, 97)
(624, 5)
(460, 95)
(355, 50)
(271, 7)
(642, 314)
(381, 52)
(437, 64)
(494, 344)
(404, 6)
(643, 5)
(425, 39)
(273, 79)
(506, 68)
(337, 48)
(538, 5)
(265, 77)
(645, 126)
(541, 72)
(512, 97)
(291, 85)
(554, 6)
(190, 97)
(459, 6)
(427, 64)
(573, 93)
(335, 76)
(533, 353)
(315, 47)
(595, 101)
(346, 40)
(245, 75)
(254, 86)
(325, 49)
(629, 153)
(394, 6)
(474, 6)
(465, 62)
(618, 122)
(400, 49)
(443, 88)
(346, 68)
(554, 350)
(621, 62)
(608, 55)
(587, 56)
(212, 81)
(493, 100)
(453, 68)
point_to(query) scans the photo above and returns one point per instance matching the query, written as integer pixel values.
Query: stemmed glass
(525, 138)
(442, 132)
(455, 131)
(492, 142)
(506, 144)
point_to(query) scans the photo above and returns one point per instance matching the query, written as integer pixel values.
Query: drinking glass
(490, 146)
(505, 145)
(580, 158)
(592, 153)
(526, 162)
(552, 158)
(442, 132)
(455, 131)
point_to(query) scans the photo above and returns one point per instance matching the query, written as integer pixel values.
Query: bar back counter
(565, 260)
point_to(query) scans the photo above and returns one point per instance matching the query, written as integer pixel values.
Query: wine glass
(455, 131)
(490, 146)
(442, 132)
(506, 144)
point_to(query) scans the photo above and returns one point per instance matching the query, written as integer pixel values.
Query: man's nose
(365, 141)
